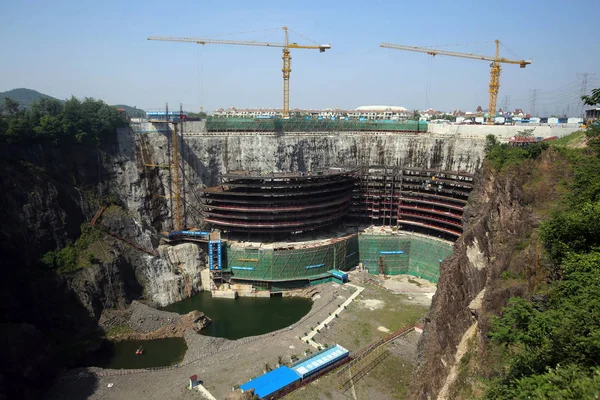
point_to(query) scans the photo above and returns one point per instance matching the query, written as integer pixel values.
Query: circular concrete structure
(281, 203)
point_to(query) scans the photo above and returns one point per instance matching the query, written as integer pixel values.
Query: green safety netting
(388, 254)
(403, 254)
(278, 125)
(281, 265)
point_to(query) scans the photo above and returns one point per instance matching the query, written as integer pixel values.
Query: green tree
(593, 130)
(525, 133)
(74, 121)
(553, 346)
(490, 143)
(199, 115)
(11, 106)
(593, 99)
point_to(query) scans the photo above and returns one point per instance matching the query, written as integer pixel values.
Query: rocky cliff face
(48, 193)
(207, 156)
(500, 224)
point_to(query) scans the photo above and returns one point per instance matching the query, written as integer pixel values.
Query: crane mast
(287, 69)
(286, 45)
(495, 71)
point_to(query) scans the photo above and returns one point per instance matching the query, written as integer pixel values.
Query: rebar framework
(419, 200)
(278, 203)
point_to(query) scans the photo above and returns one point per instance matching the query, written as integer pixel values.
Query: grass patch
(575, 139)
(390, 377)
(75, 255)
(118, 331)
(358, 325)
(522, 245)
(387, 380)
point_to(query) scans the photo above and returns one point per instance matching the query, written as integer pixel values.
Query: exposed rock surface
(149, 323)
(471, 288)
(50, 191)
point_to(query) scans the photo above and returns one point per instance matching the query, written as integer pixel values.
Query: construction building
(273, 231)
(417, 200)
(278, 203)
(284, 231)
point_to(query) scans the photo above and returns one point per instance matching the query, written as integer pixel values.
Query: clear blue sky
(99, 49)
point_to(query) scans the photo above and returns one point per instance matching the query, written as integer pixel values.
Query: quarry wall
(207, 156)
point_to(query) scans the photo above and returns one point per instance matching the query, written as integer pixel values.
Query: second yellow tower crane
(286, 45)
(494, 64)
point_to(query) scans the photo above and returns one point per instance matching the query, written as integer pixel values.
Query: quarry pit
(295, 214)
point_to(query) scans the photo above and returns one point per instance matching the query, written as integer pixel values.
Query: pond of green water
(157, 353)
(244, 316)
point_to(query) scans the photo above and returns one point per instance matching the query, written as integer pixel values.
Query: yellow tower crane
(494, 64)
(286, 45)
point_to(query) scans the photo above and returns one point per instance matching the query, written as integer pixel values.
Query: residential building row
(363, 112)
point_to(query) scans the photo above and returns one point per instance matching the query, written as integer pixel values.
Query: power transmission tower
(506, 103)
(533, 101)
(584, 81)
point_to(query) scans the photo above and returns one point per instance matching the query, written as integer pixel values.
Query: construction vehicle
(286, 45)
(495, 62)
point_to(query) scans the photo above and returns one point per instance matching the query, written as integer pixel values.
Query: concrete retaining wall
(501, 131)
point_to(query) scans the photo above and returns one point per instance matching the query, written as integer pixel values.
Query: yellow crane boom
(286, 45)
(494, 72)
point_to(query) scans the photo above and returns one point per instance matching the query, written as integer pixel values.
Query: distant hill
(132, 111)
(25, 97)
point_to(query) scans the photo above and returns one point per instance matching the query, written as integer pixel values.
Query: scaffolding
(280, 265)
(278, 269)
(278, 203)
(403, 254)
(412, 199)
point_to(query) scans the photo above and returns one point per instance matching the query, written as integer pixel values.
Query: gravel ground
(222, 364)
(219, 363)
(148, 319)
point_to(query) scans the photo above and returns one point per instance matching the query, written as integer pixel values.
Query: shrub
(506, 275)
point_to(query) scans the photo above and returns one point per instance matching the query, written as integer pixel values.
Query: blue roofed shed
(271, 382)
(320, 360)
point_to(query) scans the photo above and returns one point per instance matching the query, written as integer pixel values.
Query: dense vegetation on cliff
(551, 345)
(55, 122)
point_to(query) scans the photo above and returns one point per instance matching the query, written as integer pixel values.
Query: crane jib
(494, 71)
(286, 55)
